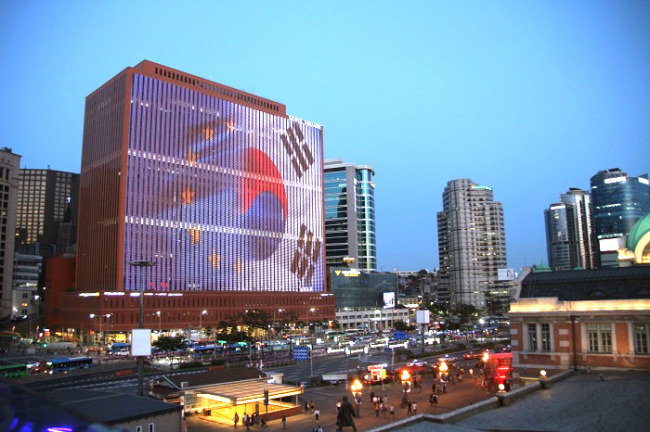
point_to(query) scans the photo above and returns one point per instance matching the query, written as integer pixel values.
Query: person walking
(284, 422)
(306, 406)
(311, 405)
(415, 408)
(392, 412)
(316, 413)
(236, 419)
(345, 417)
(409, 405)
(377, 410)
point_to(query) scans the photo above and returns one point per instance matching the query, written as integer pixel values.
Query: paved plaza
(325, 399)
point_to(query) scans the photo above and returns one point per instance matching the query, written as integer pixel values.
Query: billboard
(506, 274)
(222, 196)
(609, 244)
(389, 300)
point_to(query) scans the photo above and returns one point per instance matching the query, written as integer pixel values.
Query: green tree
(400, 325)
(170, 345)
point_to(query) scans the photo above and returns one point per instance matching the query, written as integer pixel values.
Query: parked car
(473, 355)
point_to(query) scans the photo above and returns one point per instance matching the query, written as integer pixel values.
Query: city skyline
(528, 99)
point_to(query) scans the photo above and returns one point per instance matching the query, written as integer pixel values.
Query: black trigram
(297, 149)
(306, 255)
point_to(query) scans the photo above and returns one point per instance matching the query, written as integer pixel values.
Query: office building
(47, 200)
(9, 167)
(207, 198)
(27, 270)
(619, 201)
(350, 215)
(471, 244)
(570, 237)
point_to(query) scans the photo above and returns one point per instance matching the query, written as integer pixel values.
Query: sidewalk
(325, 399)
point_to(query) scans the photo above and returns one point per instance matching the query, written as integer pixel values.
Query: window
(151, 427)
(641, 335)
(600, 338)
(532, 337)
(138, 429)
(546, 337)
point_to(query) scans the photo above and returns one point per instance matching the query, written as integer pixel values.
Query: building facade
(217, 192)
(47, 199)
(9, 168)
(583, 319)
(570, 237)
(471, 243)
(27, 271)
(350, 215)
(619, 201)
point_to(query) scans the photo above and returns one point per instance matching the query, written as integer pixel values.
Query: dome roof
(541, 268)
(640, 228)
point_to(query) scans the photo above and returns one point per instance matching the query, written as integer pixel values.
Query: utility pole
(142, 265)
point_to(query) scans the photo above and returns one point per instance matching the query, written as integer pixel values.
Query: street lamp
(481, 321)
(101, 333)
(142, 264)
(204, 312)
(159, 323)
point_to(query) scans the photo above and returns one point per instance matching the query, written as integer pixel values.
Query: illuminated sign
(389, 300)
(480, 187)
(644, 180)
(506, 274)
(615, 180)
(609, 245)
(348, 273)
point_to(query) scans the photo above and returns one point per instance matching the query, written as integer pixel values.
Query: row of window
(599, 338)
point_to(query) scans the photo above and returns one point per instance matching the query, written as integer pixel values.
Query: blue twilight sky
(529, 97)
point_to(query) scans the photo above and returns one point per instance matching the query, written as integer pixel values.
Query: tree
(170, 345)
(400, 325)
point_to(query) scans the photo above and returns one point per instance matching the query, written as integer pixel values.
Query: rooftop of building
(598, 284)
(340, 163)
(217, 376)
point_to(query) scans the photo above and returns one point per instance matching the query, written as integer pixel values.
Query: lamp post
(204, 312)
(100, 324)
(142, 264)
(159, 323)
(482, 321)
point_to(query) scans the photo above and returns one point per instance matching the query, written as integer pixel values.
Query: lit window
(600, 338)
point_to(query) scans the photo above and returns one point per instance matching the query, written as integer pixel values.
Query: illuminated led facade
(220, 188)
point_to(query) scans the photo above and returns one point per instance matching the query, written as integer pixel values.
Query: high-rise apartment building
(619, 201)
(570, 237)
(350, 215)
(9, 167)
(46, 200)
(219, 190)
(471, 243)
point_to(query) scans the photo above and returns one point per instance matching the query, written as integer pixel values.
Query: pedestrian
(284, 422)
(316, 413)
(377, 410)
(410, 408)
(320, 429)
(415, 408)
(383, 410)
(345, 416)
(306, 406)
(311, 404)
(444, 386)
(392, 411)
(372, 395)
(236, 419)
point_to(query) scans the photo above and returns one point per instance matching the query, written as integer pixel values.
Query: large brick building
(218, 191)
(596, 319)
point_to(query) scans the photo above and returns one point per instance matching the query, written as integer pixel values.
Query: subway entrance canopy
(243, 393)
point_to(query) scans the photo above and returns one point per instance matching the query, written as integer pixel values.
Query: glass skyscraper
(619, 201)
(570, 237)
(350, 215)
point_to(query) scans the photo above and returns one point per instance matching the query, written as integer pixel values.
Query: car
(473, 355)
(417, 363)
(304, 384)
(447, 359)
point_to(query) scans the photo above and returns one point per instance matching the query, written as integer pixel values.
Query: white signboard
(141, 342)
(389, 300)
(422, 316)
(506, 274)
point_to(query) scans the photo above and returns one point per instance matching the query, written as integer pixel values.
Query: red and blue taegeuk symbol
(263, 203)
